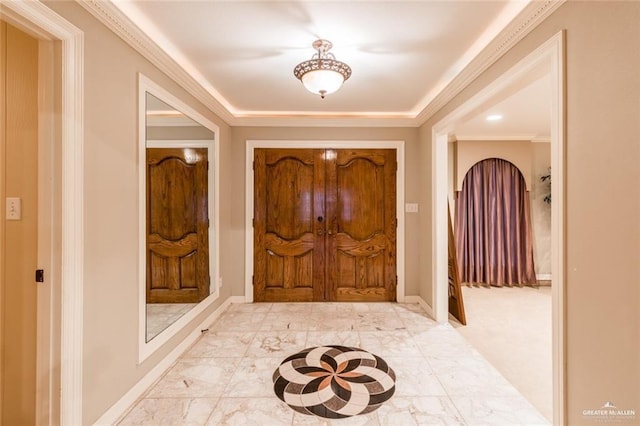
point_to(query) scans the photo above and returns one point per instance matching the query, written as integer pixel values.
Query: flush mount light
(322, 74)
(494, 117)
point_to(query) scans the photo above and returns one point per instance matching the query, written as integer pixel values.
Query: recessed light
(494, 117)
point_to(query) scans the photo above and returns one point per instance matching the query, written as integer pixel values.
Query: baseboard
(120, 408)
(236, 299)
(543, 277)
(420, 301)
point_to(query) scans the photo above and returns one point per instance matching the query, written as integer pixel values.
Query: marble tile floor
(226, 377)
(162, 315)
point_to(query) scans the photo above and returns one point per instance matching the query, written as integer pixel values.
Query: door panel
(362, 206)
(177, 225)
(288, 225)
(19, 238)
(324, 225)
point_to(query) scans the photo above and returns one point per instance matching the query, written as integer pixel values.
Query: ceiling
(525, 109)
(403, 54)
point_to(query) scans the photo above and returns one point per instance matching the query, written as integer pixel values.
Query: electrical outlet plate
(14, 208)
(411, 208)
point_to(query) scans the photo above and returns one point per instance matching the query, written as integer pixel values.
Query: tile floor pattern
(334, 382)
(225, 378)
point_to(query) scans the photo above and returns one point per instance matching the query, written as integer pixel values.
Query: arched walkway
(493, 226)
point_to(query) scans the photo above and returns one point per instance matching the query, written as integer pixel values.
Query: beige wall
(602, 235)
(111, 212)
(179, 133)
(425, 182)
(452, 168)
(237, 186)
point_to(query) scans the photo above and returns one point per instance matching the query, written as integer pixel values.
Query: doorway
(30, 259)
(324, 225)
(333, 284)
(549, 55)
(493, 229)
(19, 230)
(508, 309)
(60, 311)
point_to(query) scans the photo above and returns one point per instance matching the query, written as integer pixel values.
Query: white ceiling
(525, 109)
(403, 53)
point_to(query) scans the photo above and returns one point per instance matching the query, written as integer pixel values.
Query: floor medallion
(334, 382)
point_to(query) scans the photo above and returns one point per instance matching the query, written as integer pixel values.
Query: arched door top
(519, 153)
(466, 173)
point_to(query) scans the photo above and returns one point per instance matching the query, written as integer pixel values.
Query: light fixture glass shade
(322, 74)
(322, 82)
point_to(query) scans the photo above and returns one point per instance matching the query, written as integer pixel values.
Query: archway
(493, 230)
(551, 55)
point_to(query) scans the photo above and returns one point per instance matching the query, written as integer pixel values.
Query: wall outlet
(411, 208)
(14, 208)
(219, 282)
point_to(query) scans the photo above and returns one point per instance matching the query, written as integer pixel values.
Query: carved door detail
(177, 225)
(324, 225)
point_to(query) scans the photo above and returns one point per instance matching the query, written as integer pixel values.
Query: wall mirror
(178, 152)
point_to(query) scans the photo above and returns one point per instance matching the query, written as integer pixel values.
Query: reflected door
(177, 225)
(324, 225)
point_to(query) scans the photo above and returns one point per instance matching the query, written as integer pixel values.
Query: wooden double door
(324, 225)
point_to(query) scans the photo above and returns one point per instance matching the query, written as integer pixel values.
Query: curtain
(493, 226)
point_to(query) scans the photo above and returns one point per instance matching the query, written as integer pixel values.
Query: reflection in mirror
(178, 266)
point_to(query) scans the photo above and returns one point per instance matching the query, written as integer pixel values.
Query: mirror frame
(146, 85)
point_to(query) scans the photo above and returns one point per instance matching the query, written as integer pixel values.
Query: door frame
(551, 53)
(251, 145)
(67, 219)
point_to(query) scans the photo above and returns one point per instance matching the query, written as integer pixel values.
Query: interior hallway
(226, 376)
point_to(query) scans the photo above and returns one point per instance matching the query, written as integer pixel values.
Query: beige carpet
(511, 328)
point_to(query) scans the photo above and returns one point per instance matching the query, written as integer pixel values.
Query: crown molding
(114, 19)
(530, 17)
(531, 138)
(325, 121)
(111, 16)
(169, 121)
(519, 137)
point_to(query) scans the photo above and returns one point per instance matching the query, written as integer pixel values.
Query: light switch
(411, 207)
(14, 208)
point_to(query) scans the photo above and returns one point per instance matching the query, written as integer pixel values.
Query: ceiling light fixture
(322, 74)
(494, 117)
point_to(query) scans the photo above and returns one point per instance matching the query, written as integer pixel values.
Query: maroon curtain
(493, 226)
